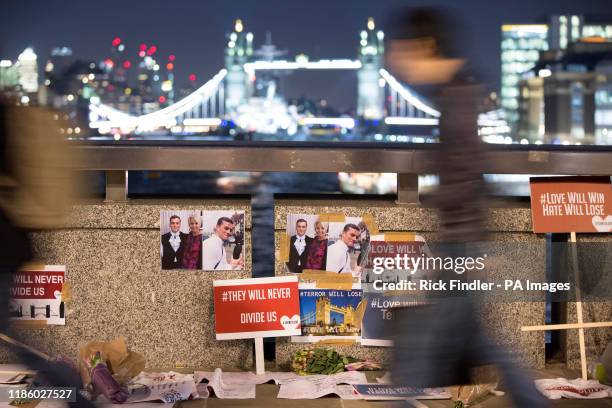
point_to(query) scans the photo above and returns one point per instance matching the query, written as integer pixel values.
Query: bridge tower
(350, 316)
(323, 310)
(239, 50)
(370, 95)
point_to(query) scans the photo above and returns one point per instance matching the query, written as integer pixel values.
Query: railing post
(116, 185)
(408, 189)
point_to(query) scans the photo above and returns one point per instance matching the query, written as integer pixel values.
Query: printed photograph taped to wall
(316, 243)
(330, 312)
(223, 240)
(202, 240)
(176, 237)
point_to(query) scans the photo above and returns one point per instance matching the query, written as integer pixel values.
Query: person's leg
(14, 251)
(517, 382)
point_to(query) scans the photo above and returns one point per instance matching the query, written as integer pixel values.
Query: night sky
(194, 30)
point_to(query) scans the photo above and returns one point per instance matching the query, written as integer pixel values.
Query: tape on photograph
(328, 280)
(360, 311)
(337, 342)
(29, 324)
(33, 267)
(370, 222)
(399, 236)
(283, 253)
(331, 217)
(66, 292)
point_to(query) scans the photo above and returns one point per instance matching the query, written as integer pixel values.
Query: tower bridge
(324, 308)
(229, 96)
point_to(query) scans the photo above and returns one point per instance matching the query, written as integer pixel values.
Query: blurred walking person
(439, 344)
(35, 193)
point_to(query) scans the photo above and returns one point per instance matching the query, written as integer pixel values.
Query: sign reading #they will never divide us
(259, 307)
(36, 294)
(571, 204)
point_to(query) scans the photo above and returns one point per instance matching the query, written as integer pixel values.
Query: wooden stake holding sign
(572, 204)
(257, 308)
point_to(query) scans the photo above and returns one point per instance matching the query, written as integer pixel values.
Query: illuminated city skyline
(195, 31)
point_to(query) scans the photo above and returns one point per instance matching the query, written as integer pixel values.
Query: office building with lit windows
(522, 45)
(568, 97)
(564, 30)
(27, 66)
(9, 76)
(520, 50)
(594, 31)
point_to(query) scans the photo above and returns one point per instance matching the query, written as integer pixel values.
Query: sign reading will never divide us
(37, 294)
(571, 204)
(260, 307)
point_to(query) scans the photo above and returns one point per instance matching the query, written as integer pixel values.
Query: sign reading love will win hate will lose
(571, 204)
(259, 307)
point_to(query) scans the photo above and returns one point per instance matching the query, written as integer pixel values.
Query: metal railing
(406, 160)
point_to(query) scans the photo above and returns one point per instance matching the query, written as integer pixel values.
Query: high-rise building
(520, 50)
(568, 99)
(148, 79)
(603, 31)
(564, 30)
(370, 95)
(167, 85)
(28, 70)
(522, 44)
(9, 76)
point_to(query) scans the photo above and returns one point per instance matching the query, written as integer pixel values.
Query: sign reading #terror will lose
(571, 204)
(260, 307)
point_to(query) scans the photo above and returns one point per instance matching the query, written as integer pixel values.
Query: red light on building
(152, 50)
(169, 66)
(109, 63)
(127, 64)
(116, 41)
(162, 99)
(143, 47)
(192, 77)
(171, 57)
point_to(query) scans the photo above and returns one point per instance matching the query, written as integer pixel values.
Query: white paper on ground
(383, 392)
(345, 377)
(11, 378)
(15, 369)
(202, 389)
(282, 377)
(556, 388)
(167, 387)
(317, 386)
(229, 378)
(228, 385)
